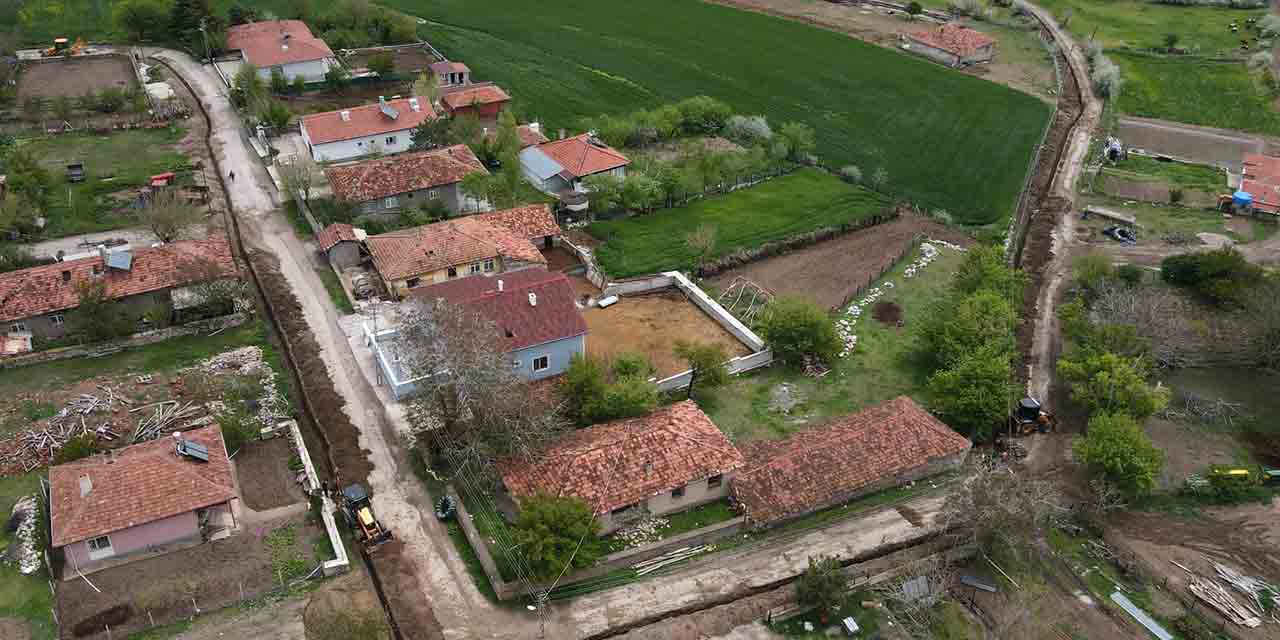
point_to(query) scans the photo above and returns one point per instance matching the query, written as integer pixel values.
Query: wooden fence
(862, 288)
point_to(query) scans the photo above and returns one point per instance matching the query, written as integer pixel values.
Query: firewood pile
(36, 446)
(1251, 612)
(167, 416)
(1193, 407)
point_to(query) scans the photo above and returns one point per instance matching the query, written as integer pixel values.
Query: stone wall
(136, 340)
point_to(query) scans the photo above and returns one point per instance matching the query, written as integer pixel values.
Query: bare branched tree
(1264, 307)
(702, 242)
(469, 397)
(169, 217)
(216, 284)
(988, 506)
(299, 177)
(1155, 312)
(914, 592)
(1103, 498)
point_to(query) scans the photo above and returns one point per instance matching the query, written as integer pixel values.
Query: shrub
(1116, 447)
(972, 8)
(706, 360)
(1112, 383)
(1107, 80)
(914, 8)
(973, 394)
(748, 130)
(984, 267)
(1130, 274)
(794, 328)
(279, 83)
(81, 446)
(1092, 271)
(959, 325)
(382, 64)
(1222, 276)
(703, 115)
(238, 428)
(851, 173)
(299, 85)
(556, 534)
(822, 585)
(594, 394)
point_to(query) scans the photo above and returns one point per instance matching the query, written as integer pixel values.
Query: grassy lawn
(868, 619)
(1142, 24)
(946, 139)
(1175, 174)
(683, 522)
(23, 597)
(1214, 94)
(883, 366)
(336, 293)
(119, 161)
(1156, 220)
(1102, 578)
(797, 203)
(169, 355)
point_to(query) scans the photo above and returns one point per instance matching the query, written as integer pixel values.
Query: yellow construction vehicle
(1029, 418)
(358, 510)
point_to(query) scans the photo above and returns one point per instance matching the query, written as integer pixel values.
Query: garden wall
(210, 325)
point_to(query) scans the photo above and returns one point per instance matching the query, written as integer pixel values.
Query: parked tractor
(359, 514)
(1030, 418)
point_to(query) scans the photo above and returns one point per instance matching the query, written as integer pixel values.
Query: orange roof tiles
(530, 221)
(276, 42)
(365, 120)
(469, 94)
(330, 236)
(830, 463)
(620, 463)
(52, 287)
(554, 317)
(529, 136)
(580, 158)
(1262, 180)
(403, 173)
(136, 485)
(459, 241)
(954, 39)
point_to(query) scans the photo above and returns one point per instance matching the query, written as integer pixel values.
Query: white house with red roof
(409, 180)
(559, 167)
(284, 45)
(951, 44)
(384, 127)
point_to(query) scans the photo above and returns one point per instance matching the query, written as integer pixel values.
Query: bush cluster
(1224, 276)
(596, 391)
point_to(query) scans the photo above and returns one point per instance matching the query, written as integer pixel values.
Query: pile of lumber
(166, 416)
(678, 555)
(36, 446)
(1251, 613)
(1214, 595)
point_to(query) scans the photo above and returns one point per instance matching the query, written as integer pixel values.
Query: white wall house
(382, 128)
(284, 45)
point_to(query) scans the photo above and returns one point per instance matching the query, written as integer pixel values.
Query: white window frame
(100, 547)
(718, 480)
(390, 203)
(546, 360)
(391, 140)
(488, 265)
(18, 327)
(432, 194)
(58, 319)
(474, 268)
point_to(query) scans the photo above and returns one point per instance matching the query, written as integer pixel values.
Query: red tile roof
(580, 158)
(620, 463)
(402, 173)
(365, 120)
(441, 68)
(276, 42)
(828, 464)
(1262, 180)
(555, 316)
(529, 136)
(407, 253)
(469, 94)
(136, 485)
(330, 236)
(45, 289)
(954, 39)
(531, 221)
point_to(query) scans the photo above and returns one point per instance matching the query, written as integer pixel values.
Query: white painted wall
(311, 70)
(357, 147)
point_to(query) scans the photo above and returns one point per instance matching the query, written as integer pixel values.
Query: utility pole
(204, 33)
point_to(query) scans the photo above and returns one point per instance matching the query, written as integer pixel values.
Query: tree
(1111, 383)
(748, 130)
(218, 287)
(238, 428)
(914, 9)
(337, 78)
(430, 133)
(298, 85)
(556, 534)
(702, 243)
(427, 88)
(168, 217)
(382, 64)
(851, 173)
(279, 83)
(299, 176)
(97, 315)
(640, 193)
(468, 398)
(959, 325)
(141, 19)
(1264, 307)
(583, 381)
(822, 585)
(1223, 276)
(77, 448)
(879, 179)
(984, 267)
(29, 179)
(605, 191)
(17, 215)
(595, 393)
(794, 328)
(14, 256)
(986, 507)
(186, 17)
(238, 14)
(1092, 271)
(273, 113)
(625, 397)
(1116, 447)
(706, 361)
(799, 138)
(974, 393)
(247, 86)
(701, 115)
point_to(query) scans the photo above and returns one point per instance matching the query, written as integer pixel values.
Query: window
(389, 203)
(18, 327)
(715, 481)
(677, 493)
(473, 268)
(100, 547)
(58, 319)
(541, 363)
(413, 282)
(488, 264)
(433, 193)
(391, 139)
(453, 272)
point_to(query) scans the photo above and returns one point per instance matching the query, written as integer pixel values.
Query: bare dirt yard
(650, 325)
(74, 77)
(406, 59)
(212, 574)
(266, 482)
(829, 272)
(352, 96)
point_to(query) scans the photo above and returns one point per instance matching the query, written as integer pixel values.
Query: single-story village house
(492, 242)
(142, 500)
(152, 284)
(559, 167)
(450, 74)
(671, 460)
(385, 127)
(409, 180)
(951, 44)
(880, 447)
(1261, 180)
(480, 100)
(286, 46)
(343, 244)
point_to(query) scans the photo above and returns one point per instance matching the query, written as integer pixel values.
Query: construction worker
(233, 176)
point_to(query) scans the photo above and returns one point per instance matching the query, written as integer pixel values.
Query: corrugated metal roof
(121, 259)
(539, 164)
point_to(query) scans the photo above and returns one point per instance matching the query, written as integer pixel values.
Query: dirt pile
(887, 312)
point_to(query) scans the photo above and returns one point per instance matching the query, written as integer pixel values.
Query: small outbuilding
(341, 244)
(951, 44)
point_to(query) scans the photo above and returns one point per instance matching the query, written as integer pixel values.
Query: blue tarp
(1242, 198)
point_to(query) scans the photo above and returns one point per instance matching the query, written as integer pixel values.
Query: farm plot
(407, 60)
(945, 139)
(650, 325)
(1140, 25)
(829, 272)
(802, 202)
(75, 77)
(1213, 94)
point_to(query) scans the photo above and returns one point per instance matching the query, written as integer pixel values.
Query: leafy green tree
(79, 447)
(703, 115)
(822, 585)
(1116, 447)
(628, 364)
(1111, 383)
(169, 217)
(626, 397)
(556, 534)
(279, 83)
(1092, 271)
(794, 328)
(605, 191)
(238, 14)
(1222, 276)
(955, 328)
(99, 317)
(640, 193)
(337, 78)
(706, 361)
(14, 256)
(29, 179)
(984, 267)
(595, 393)
(298, 85)
(583, 381)
(382, 64)
(799, 139)
(427, 87)
(247, 86)
(185, 20)
(429, 134)
(973, 394)
(273, 113)
(141, 19)
(467, 130)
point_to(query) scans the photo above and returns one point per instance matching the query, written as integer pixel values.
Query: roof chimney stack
(86, 485)
(500, 285)
(533, 299)
(345, 115)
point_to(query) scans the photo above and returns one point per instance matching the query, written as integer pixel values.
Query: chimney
(535, 127)
(86, 485)
(345, 115)
(413, 104)
(561, 135)
(533, 299)
(501, 288)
